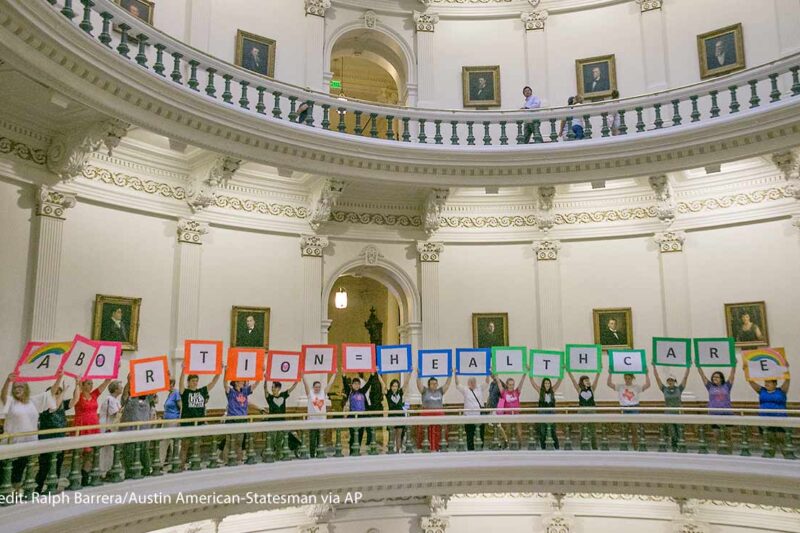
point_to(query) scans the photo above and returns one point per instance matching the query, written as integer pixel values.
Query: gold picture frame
(244, 337)
(116, 318)
(255, 53)
(486, 332)
(749, 332)
(721, 51)
(620, 335)
(476, 90)
(596, 76)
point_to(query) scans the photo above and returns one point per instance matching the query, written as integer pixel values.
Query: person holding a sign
(193, 402)
(317, 408)
(84, 400)
(473, 403)
(547, 400)
(432, 405)
(356, 402)
(22, 415)
(628, 395)
(237, 394)
(394, 399)
(53, 418)
(276, 403)
(510, 394)
(585, 389)
(719, 390)
(672, 398)
(772, 402)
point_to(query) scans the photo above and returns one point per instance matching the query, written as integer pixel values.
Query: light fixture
(340, 301)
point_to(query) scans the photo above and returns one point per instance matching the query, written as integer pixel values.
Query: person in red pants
(432, 405)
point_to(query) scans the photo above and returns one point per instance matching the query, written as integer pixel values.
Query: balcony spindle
(586, 442)
(243, 101)
(422, 138)
(373, 443)
(567, 436)
(280, 451)
(788, 445)
(176, 465)
(169, 458)
(470, 136)
(553, 133)
(795, 80)
(193, 83)
(227, 95)
(74, 477)
(444, 445)
(355, 442)
(373, 129)
(537, 131)
(67, 10)
(293, 109)
(337, 445)
(531, 437)
(604, 129)
(623, 128)
(570, 133)
(775, 94)
(320, 452)
(681, 438)
(659, 122)
(268, 454)
(520, 134)
(29, 485)
(141, 56)
(6, 488)
(642, 444)
(105, 33)
(744, 433)
(390, 127)
(157, 468)
(604, 438)
(134, 449)
(408, 441)
(51, 481)
(86, 23)
(503, 136)
(194, 457)
(303, 450)
(249, 445)
(454, 135)
(549, 444)
(210, 89)
(276, 105)
(326, 119)
(357, 129)
(676, 113)
(714, 105)
(754, 99)
(734, 107)
(122, 47)
(702, 444)
(624, 438)
(767, 446)
(587, 127)
(233, 457)
(695, 111)
(639, 119)
(406, 133)
(261, 107)
(437, 137)
(176, 68)
(158, 66)
(487, 139)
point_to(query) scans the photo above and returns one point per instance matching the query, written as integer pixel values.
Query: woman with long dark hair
(547, 400)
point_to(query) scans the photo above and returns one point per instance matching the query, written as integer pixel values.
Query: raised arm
(785, 386)
(77, 394)
(181, 382)
(732, 375)
(658, 378)
(6, 385)
(447, 384)
(103, 386)
(521, 382)
(214, 381)
(226, 385)
(574, 382)
(420, 385)
(646, 381)
(610, 383)
(596, 380)
(536, 386)
(330, 381)
(558, 384)
(294, 385)
(56, 384)
(305, 386)
(383, 383)
(702, 375)
(685, 378)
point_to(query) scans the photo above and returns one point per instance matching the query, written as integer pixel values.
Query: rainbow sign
(765, 363)
(40, 361)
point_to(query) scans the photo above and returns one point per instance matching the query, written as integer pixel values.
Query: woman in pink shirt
(510, 400)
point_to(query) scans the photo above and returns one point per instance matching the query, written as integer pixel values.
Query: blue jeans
(578, 131)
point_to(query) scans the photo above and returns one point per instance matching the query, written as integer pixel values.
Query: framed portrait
(721, 51)
(597, 76)
(255, 53)
(481, 86)
(250, 327)
(489, 329)
(747, 324)
(613, 328)
(141, 9)
(116, 318)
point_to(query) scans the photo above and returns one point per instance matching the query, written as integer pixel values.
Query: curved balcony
(650, 453)
(145, 77)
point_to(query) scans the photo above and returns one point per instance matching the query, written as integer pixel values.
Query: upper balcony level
(100, 55)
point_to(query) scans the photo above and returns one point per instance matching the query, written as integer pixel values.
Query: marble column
(425, 24)
(674, 283)
(429, 252)
(311, 247)
(51, 209)
(411, 333)
(536, 53)
(315, 43)
(548, 289)
(187, 308)
(653, 45)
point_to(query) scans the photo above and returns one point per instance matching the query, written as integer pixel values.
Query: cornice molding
(23, 151)
(68, 152)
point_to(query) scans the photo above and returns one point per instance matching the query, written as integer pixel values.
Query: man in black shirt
(52, 419)
(276, 402)
(193, 402)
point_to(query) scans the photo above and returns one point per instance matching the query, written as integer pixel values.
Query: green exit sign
(336, 84)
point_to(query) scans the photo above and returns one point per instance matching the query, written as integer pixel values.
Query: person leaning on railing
(22, 416)
(577, 121)
(531, 102)
(672, 398)
(84, 401)
(473, 403)
(585, 389)
(772, 402)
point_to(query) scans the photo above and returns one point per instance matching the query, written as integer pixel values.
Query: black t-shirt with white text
(193, 402)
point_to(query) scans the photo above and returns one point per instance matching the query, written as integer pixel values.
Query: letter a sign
(716, 352)
(40, 361)
(473, 361)
(672, 352)
(149, 375)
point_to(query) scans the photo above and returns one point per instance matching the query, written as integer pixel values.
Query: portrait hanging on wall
(481, 86)
(721, 51)
(613, 328)
(255, 53)
(250, 327)
(489, 329)
(141, 9)
(597, 76)
(747, 323)
(116, 318)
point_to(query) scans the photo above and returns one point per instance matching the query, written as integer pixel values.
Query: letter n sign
(319, 358)
(714, 352)
(149, 375)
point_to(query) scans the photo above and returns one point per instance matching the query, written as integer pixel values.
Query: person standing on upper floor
(53, 418)
(577, 121)
(136, 409)
(672, 398)
(317, 408)
(110, 409)
(772, 403)
(473, 403)
(84, 401)
(531, 102)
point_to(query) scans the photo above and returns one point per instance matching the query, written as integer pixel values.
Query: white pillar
(429, 252)
(187, 309)
(311, 247)
(425, 24)
(536, 54)
(653, 46)
(51, 208)
(315, 44)
(411, 333)
(674, 284)
(548, 289)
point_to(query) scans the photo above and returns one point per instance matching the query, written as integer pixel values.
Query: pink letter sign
(77, 360)
(40, 361)
(105, 364)
(284, 366)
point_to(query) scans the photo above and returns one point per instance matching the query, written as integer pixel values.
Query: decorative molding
(264, 208)
(500, 221)
(317, 7)
(371, 255)
(135, 183)
(544, 216)
(324, 202)
(432, 2)
(557, 523)
(208, 178)
(433, 209)
(191, 231)
(665, 209)
(741, 199)
(429, 251)
(23, 151)
(670, 241)
(379, 219)
(312, 245)
(789, 165)
(370, 19)
(68, 153)
(546, 250)
(649, 5)
(425, 22)
(534, 20)
(52, 203)
(434, 524)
